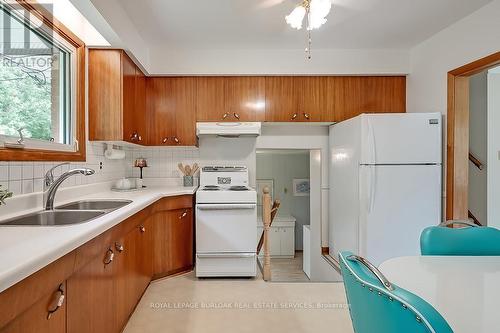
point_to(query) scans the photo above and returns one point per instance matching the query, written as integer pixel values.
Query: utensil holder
(188, 181)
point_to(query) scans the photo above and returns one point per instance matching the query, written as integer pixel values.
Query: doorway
(458, 136)
(286, 172)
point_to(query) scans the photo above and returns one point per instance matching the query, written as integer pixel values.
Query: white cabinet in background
(281, 237)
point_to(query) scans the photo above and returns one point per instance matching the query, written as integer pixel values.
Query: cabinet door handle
(119, 247)
(294, 116)
(142, 228)
(224, 116)
(134, 136)
(183, 215)
(237, 116)
(57, 302)
(108, 258)
(164, 140)
(306, 115)
(176, 140)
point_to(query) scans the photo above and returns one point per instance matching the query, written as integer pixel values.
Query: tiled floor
(184, 304)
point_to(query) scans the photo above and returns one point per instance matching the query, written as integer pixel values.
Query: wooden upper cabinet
(210, 99)
(140, 116)
(105, 95)
(355, 95)
(114, 113)
(171, 108)
(315, 96)
(332, 98)
(298, 99)
(282, 98)
(245, 98)
(239, 98)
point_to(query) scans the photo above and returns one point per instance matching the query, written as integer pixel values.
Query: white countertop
(26, 249)
(465, 290)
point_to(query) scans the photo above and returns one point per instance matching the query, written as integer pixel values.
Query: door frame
(457, 152)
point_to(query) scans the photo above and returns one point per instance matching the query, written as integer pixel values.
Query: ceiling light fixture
(315, 11)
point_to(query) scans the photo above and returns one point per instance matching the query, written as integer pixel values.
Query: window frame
(79, 154)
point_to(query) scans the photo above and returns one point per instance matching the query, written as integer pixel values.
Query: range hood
(228, 130)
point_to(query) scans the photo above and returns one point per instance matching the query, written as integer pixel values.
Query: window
(39, 83)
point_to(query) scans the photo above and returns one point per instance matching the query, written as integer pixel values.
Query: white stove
(226, 223)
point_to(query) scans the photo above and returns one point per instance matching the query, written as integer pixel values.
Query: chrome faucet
(50, 185)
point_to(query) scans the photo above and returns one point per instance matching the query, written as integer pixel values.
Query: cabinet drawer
(173, 203)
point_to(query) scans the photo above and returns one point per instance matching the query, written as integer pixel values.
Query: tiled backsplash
(162, 161)
(27, 177)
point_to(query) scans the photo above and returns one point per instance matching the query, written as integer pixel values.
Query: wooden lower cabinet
(35, 319)
(91, 298)
(173, 242)
(104, 279)
(133, 270)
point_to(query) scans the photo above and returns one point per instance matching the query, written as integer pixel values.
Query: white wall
(478, 145)
(471, 38)
(283, 167)
(217, 62)
(494, 149)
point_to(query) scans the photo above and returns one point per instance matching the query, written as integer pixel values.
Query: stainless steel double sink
(72, 213)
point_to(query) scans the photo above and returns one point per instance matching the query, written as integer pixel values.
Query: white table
(465, 290)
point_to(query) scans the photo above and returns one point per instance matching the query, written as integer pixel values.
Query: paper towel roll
(114, 154)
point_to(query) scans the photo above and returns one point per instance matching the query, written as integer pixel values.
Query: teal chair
(469, 241)
(378, 306)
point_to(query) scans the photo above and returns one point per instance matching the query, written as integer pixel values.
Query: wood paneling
(24, 294)
(173, 242)
(159, 107)
(282, 98)
(140, 117)
(35, 319)
(313, 100)
(105, 95)
(100, 297)
(210, 99)
(116, 98)
(128, 99)
(172, 203)
(332, 98)
(245, 98)
(91, 298)
(171, 106)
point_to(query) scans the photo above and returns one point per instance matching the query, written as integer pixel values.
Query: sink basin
(54, 218)
(106, 205)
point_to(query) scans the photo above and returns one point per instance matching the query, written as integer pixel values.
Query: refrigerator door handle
(371, 142)
(373, 185)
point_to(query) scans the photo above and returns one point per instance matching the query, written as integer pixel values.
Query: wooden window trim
(9, 154)
(457, 165)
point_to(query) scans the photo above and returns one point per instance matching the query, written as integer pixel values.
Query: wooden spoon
(181, 167)
(188, 170)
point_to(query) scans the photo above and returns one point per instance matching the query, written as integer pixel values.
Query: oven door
(226, 228)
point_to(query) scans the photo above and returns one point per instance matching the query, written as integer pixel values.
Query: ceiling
(260, 24)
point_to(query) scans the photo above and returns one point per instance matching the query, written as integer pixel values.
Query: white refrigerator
(385, 183)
